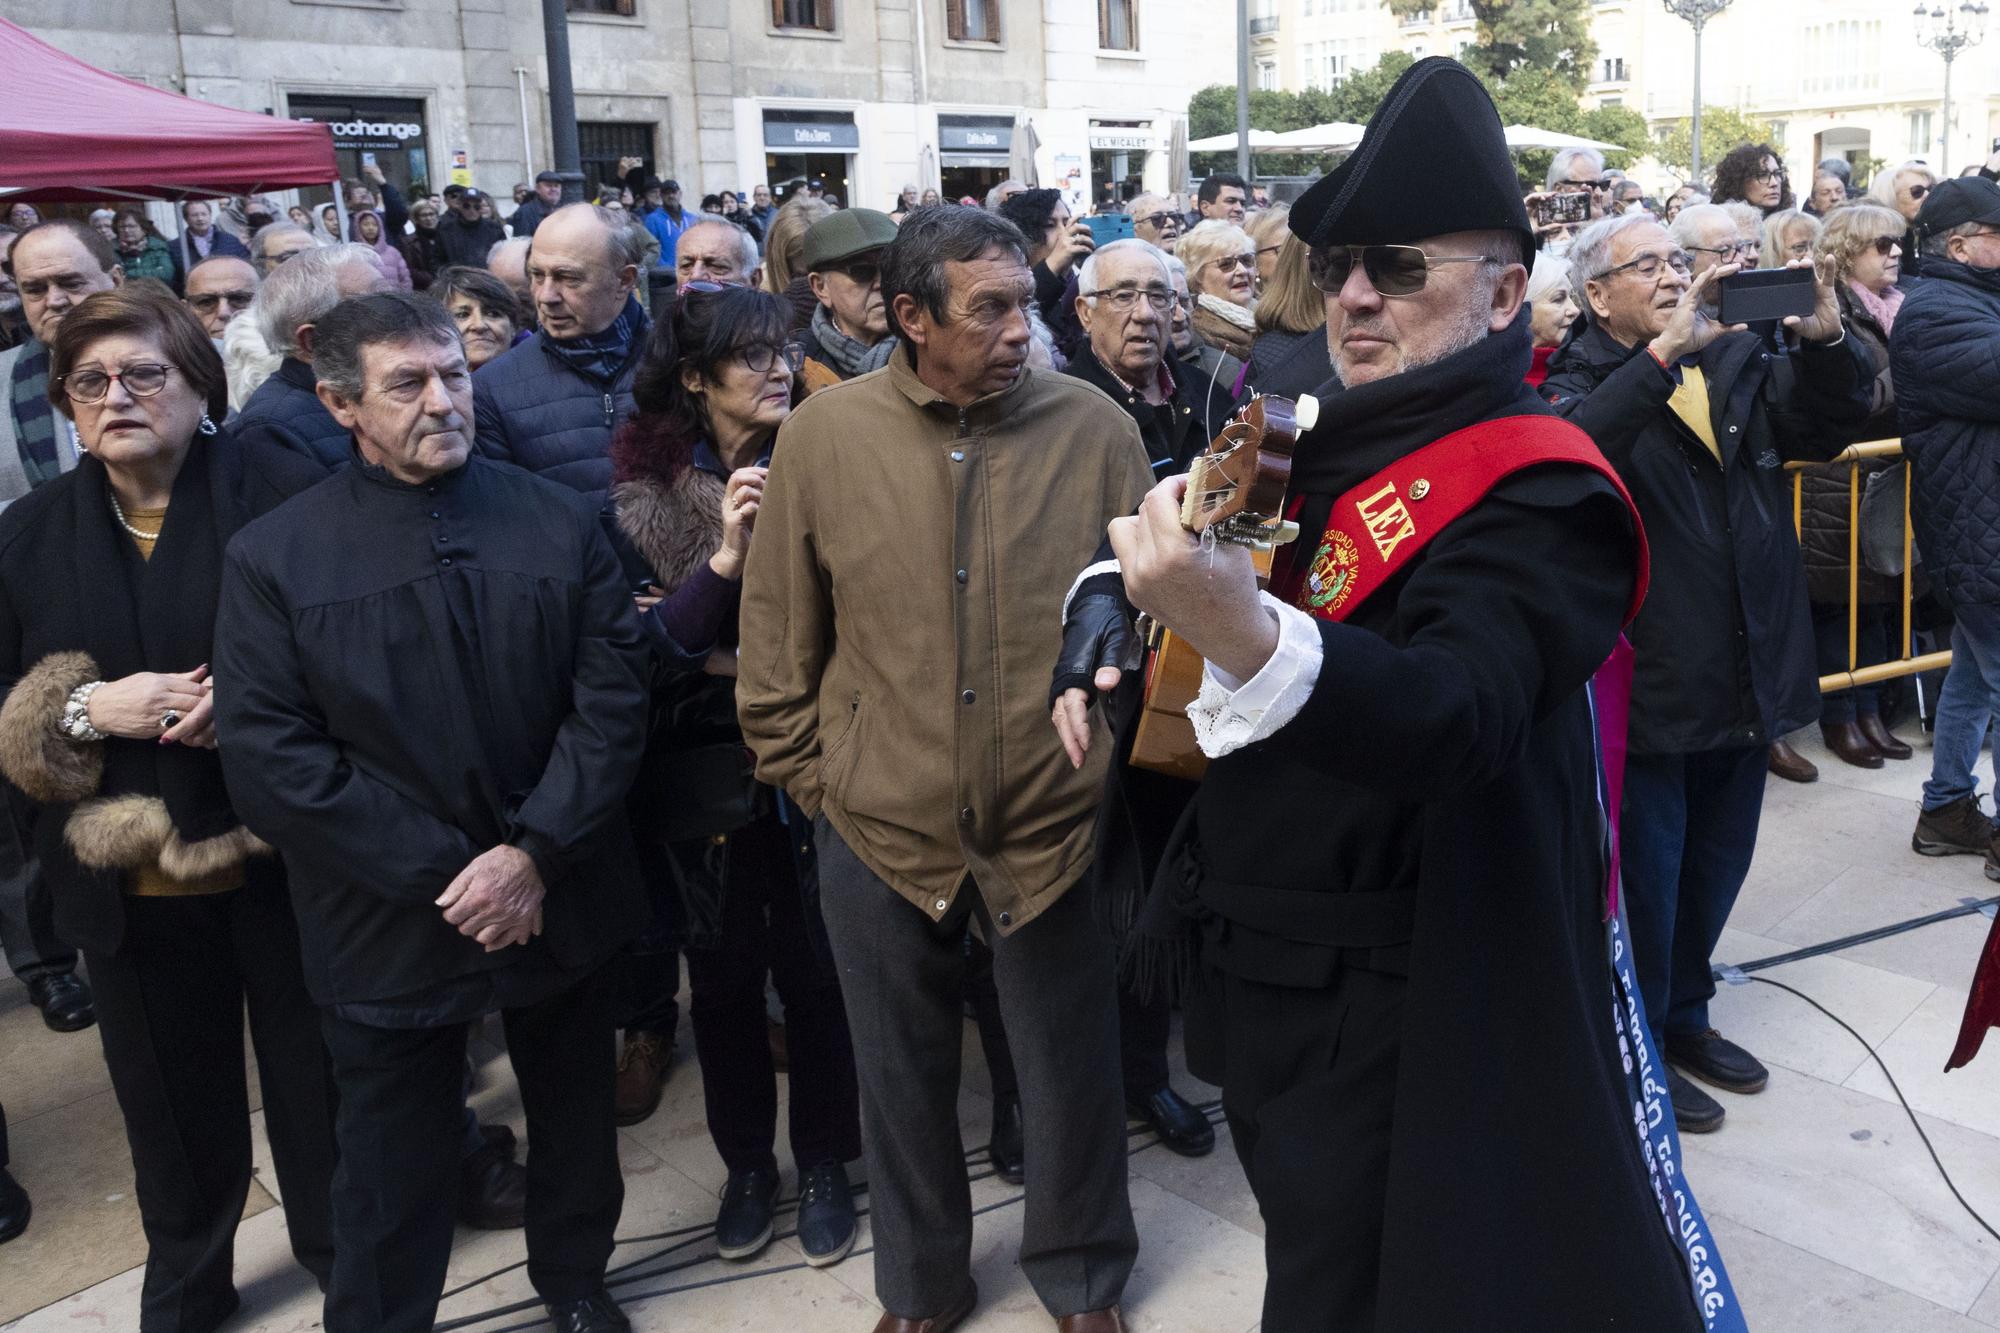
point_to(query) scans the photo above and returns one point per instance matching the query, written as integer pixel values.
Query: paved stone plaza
(1830, 1213)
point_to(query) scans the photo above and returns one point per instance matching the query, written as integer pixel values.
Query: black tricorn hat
(1434, 160)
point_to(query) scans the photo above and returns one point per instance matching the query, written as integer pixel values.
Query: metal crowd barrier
(1905, 665)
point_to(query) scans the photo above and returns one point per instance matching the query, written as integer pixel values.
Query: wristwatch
(75, 722)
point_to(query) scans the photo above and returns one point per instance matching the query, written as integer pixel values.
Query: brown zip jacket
(901, 618)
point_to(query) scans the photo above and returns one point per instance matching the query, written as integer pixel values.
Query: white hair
(1883, 188)
(1590, 254)
(1086, 278)
(1565, 158)
(746, 244)
(247, 361)
(520, 243)
(1548, 274)
(302, 289)
(1687, 227)
(1175, 268)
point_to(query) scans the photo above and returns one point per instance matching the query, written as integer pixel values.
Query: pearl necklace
(119, 510)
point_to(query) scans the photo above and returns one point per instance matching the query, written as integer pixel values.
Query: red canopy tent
(70, 131)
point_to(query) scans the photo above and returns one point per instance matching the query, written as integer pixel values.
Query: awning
(70, 131)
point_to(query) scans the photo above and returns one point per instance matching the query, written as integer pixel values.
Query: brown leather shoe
(1092, 1321)
(937, 1323)
(1790, 765)
(642, 1073)
(1882, 738)
(1849, 745)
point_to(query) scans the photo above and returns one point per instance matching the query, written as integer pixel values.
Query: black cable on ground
(1865, 937)
(1212, 1110)
(1893, 1087)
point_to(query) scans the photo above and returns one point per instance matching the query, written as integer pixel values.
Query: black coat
(71, 582)
(1823, 528)
(1432, 810)
(1724, 643)
(1173, 431)
(469, 242)
(286, 413)
(1945, 356)
(469, 672)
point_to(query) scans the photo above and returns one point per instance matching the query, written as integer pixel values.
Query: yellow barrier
(1906, 664)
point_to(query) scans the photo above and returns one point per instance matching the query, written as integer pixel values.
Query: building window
(1920, 133)
(601, 143)
(619, 8)
(972, 20)
(1267, 76)
(1844, 56)
(1612, 71)
(802, 14)
(1118, 25)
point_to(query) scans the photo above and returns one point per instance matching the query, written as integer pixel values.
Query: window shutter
(823, 11)
(1131, 24)
(954, 19)
(777, 13)
(1104, 24)
(626, 8)
(992, 8)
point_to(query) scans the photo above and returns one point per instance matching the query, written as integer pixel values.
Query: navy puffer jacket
(534, 410)
(1945, 358)
(286, 411)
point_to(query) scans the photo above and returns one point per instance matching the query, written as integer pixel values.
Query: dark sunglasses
(1884, 244)
(1919, 191)
(761, 358)
(1393, 270)
(861, 274)
(1161, 221)
(208, 301)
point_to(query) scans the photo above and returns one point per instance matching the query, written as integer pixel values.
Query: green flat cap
(849, 232)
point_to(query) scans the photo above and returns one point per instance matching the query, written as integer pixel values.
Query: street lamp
(1947, 32)
(1698, 13)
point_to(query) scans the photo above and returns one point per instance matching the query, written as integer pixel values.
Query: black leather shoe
(1694, 1110)
(826, 1215)
(15, 1209)
(595, 1313)
(64, 999)
(1004, 1145)
(1717, 1061)
(492, 1186)
(743, 1225)
(1180, 1126)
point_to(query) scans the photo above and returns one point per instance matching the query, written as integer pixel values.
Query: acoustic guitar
(1236, 494)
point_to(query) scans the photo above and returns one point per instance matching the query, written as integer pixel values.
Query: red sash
(1376, 528)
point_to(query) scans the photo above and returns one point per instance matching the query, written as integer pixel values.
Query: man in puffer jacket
(1945, 358)
(550, 404)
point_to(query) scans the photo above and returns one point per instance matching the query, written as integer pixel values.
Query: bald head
(219, 289)
(582, 267)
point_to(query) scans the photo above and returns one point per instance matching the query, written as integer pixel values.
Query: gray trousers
(903, 980)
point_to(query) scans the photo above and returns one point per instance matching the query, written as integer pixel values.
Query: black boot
(595, 1313)
(14, 1207)
(1181, 1128)
(64, 999)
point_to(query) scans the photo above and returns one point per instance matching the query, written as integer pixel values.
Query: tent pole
(568, 154)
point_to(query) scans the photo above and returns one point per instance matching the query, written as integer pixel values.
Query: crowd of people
(697, 604)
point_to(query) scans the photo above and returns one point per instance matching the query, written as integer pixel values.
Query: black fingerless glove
(1097, 633)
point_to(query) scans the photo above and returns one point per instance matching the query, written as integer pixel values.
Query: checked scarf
(34, 419)
(601, 355)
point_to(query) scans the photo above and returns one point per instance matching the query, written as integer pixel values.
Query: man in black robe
(1387, 895)
(436, 702)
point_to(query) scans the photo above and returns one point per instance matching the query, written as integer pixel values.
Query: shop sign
(1123, 141)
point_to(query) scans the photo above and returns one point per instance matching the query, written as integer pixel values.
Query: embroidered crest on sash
(1330, 582)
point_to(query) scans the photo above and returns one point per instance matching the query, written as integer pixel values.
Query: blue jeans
(1688, 828)
(1965, 705)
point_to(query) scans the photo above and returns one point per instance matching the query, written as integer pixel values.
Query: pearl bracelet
(75, 724)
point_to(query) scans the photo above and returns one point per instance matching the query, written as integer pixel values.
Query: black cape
(1433, 810)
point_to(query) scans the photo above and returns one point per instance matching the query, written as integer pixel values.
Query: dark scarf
(34, 419)
(1360, 431)
(600, 356)
(158, 615)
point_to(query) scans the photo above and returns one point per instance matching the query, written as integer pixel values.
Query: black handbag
(706, 792)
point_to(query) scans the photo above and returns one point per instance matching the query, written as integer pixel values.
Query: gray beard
(1471, 329)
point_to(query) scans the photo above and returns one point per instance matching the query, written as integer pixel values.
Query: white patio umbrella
(1520, 137)
(1260, 141)
(1022, 164)
(1332, 137)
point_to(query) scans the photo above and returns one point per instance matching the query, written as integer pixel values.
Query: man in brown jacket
(902, 608)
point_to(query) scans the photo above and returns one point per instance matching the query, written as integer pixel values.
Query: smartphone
(1766, 294)
(368, 159)
(1108, 227)
(1570, 206)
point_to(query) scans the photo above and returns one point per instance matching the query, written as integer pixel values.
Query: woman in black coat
(108, 583)
(716, 382)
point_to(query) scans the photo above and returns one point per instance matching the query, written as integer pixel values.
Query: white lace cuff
(1229, 714)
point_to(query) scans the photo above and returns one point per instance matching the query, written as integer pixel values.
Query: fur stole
(674, 522)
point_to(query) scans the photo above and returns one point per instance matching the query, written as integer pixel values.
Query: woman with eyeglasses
(1789, 235)
(1904, 189)
(142, 251)
(1290, 348)
(109, 577)
(1267, 229)
(731, 858)
(1753, 174)
(1221, 263)
(1865, 242)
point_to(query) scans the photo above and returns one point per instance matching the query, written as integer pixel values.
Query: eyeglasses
(208, 301)
(863, 274)
(1775, 174)
(1161, 221)
(1229, 263)
(1393, 270)
(1124, 300)
(141, 381)
(1270, 249)
(1577, 187)
(1884, 244)
(1647, 267)
(1725, 251)
(1919, 191)
(762, 358)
